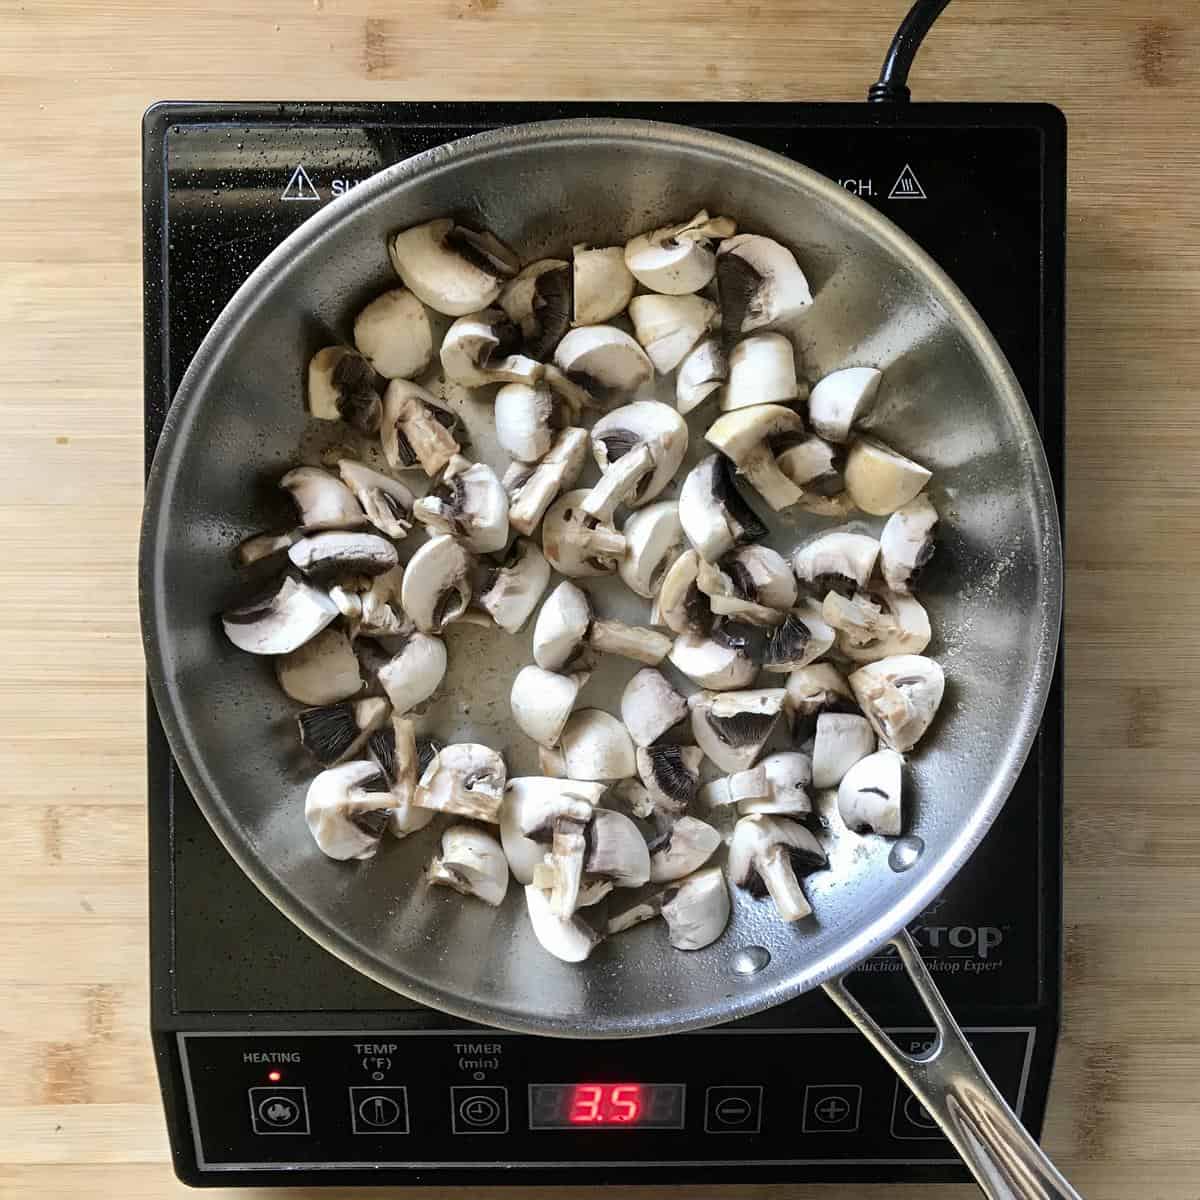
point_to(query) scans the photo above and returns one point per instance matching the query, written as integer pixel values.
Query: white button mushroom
(765, 855)
(800, 639)
(479, 349)
(671, 774)
(469, 502)
(786, 776)
(538, 300)
(811, 691)
(650, 706)
(900, 697)
(260, 546)
(638, 447)
(747, 581)
(437, 584)
(392, 333)
(745, 435)
(667, 327)
(561, 627)
(596, 746)
(696, 909)
(842, 399)
(570, 939)
(678, 259)
(513, 587)
(386, 501)
(712, 511)
(602, 283)
(321, 671)
(453, 269)
(906, 543)
(413, 432)
(680, 604)
(760, 283)
(841, 740)
(605, 361)
(541, 702)
(332, 733)
(576, 544)
(414, 672)
(472, 863)
(532, 489)
(466, 779)
(653, 540)
(839, 559)
(877, 624)
(347, 809)
(879, 480)
(371, 606)
(532, 804)
(322, 501)
(525, 420)
(869, 796)
(333, 553)
(762, 370)
(684, 848)
(629, 641)
(733, 727)
(341, 387)
(712, 663)
(704, 369)
(394, 750)
(282, 620)
(616, 850)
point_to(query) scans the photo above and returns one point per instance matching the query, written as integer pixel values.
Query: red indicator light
(605, 1104)
(274, 1076)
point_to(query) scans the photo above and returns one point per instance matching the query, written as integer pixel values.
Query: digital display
(606, 1105)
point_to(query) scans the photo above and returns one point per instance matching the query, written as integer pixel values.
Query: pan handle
(949, 1081)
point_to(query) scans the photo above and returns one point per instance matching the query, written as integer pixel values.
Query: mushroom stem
(618, 482)
(629, 641)
(776, 871)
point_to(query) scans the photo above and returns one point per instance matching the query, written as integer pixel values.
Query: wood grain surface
(79, 1109)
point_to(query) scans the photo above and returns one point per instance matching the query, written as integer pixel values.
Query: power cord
(892, 85)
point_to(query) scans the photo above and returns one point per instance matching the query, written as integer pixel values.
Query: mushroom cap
(538, 299)
(346, 808)
(616, 849)
(411, 676)
(567, 938)
(841, 740)
(470, 502)
(541, 702)
(437, 584)
(812, 464)
(905, 629)
(602, 283)
(879, 479)
(453, 270)
(532, 804)
(281, 621)
(576, 544)
(647, 422)
(465, 778)
(670, 773)
(650, 706)
(751, 575)
(341, 387)
(561, 626)
(478, 349)
(701, 373)
(684, 848)
(605, 360)
(667, 327)
(334, 553)
(732, 727)
(697, 909)
(596, 746)
(322, 500)
(906, 543)
(653, 538)
(762, 370)
(681, 606)
(321, 671)
(524, 416)
(802, 638)
(869, 795)
(755, 836)
(837, 554)
(386, 501)
(677, 259)
(472, 863)
(740, 433)
(900, 696)
(712, 511)
(813, 689)
(712, 664)
(841, 399)
(392, 333)
(760, 282)
(411, 433)
(513, 588)
(787, 776)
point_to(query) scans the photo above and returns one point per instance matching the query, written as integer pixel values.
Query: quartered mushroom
(753, 583)
(680, 605)
(322, 500)
(787, 777)
(471, 862)
(341, 387)
(711, 509)
(480, 348)
(815, 466)
(602, 283)
(393, 748)
(532, 489)
(696, 909)
(667, 327)
(653, 540)
(762, 370)
(464, 778)
(371, 606)
(538, 301)
(745, 437)
(532, 805)
(333, 553)
(570, 939)
(869, 796)
(650, 706)
(671, 774)
(733, 727)
(629, 641)
(605, 361)
(838, 559)
(469, 502)
(437, 584)
(638, 449)
(879, 479)
(900, 696)
(387, 503)
(541, 702)
(347, 810)
(527, 417)
(701, 373)
(561, 627)
(906, 543)
(414, 430)
(512, 588)
(684, 848)
(453, 269)
(841, 740)
(760, 283)
(616, 850)
(812, 690)
(596, 746)
(842, 399)
(678, 259)
(765, 855)
(282, 620)
(713, 663)
(877, 624)
(332, 733)
(392, 333)
(260, 546)
(322, 671)
(801, 638)
(576, 544)
(414, 672)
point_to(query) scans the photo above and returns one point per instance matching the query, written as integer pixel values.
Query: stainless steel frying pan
(994, 599)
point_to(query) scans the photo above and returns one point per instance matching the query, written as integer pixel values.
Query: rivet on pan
(750, 960)
(905, 852)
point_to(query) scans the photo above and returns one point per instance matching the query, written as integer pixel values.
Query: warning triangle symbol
(300, 187)
(907, 186)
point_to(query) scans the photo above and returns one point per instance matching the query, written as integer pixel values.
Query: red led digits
(605, 1104)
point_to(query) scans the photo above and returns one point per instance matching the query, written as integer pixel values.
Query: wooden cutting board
(79, 1110)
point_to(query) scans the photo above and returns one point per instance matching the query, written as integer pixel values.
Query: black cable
(892, 85)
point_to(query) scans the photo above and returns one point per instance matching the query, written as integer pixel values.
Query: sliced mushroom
(840, 400)
(751, 582)
(472, 863)
(765, 855)
(392, 333)
(526, 420)
(322, 501)
(697, 910)
(605, 361)
(869, 796)
(629, 641)
(616, 850)
(412, 433)
(596, 746)
(638, 449)
(452, 269)
(760, 283)
(326, 556)
(513, 588)
(906, 543)
(900, 697)
(762, 370)
(465, 778)
(713, 664)
(576, 544)
(321, 671)
(394, 749)
(414, 673)
(469, 502)
(341, 387)
(841, 740)
(653, 540)
(347, 810)
(787, 777)
(561, 627)
(680, 604)
(260, 546)
(541, 702)
(711, 509)
(877, 624)
(667, 327)
(479, 349)
(704, 369)
(838, 559)
(650, 706)
(387, 503)
(532, 804)
(744, 436)
(332, 733)
(684, 848)
(671, 774)
(879, 480)
(602, 283)
(532, 489)
(678, 259)
(801, 639)
(538, 300)
(282, 620)
(570, 939)
(733, 727)
(437, 584)
(811, 691)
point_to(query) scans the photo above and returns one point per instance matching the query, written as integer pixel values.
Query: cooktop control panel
(476, 1098)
